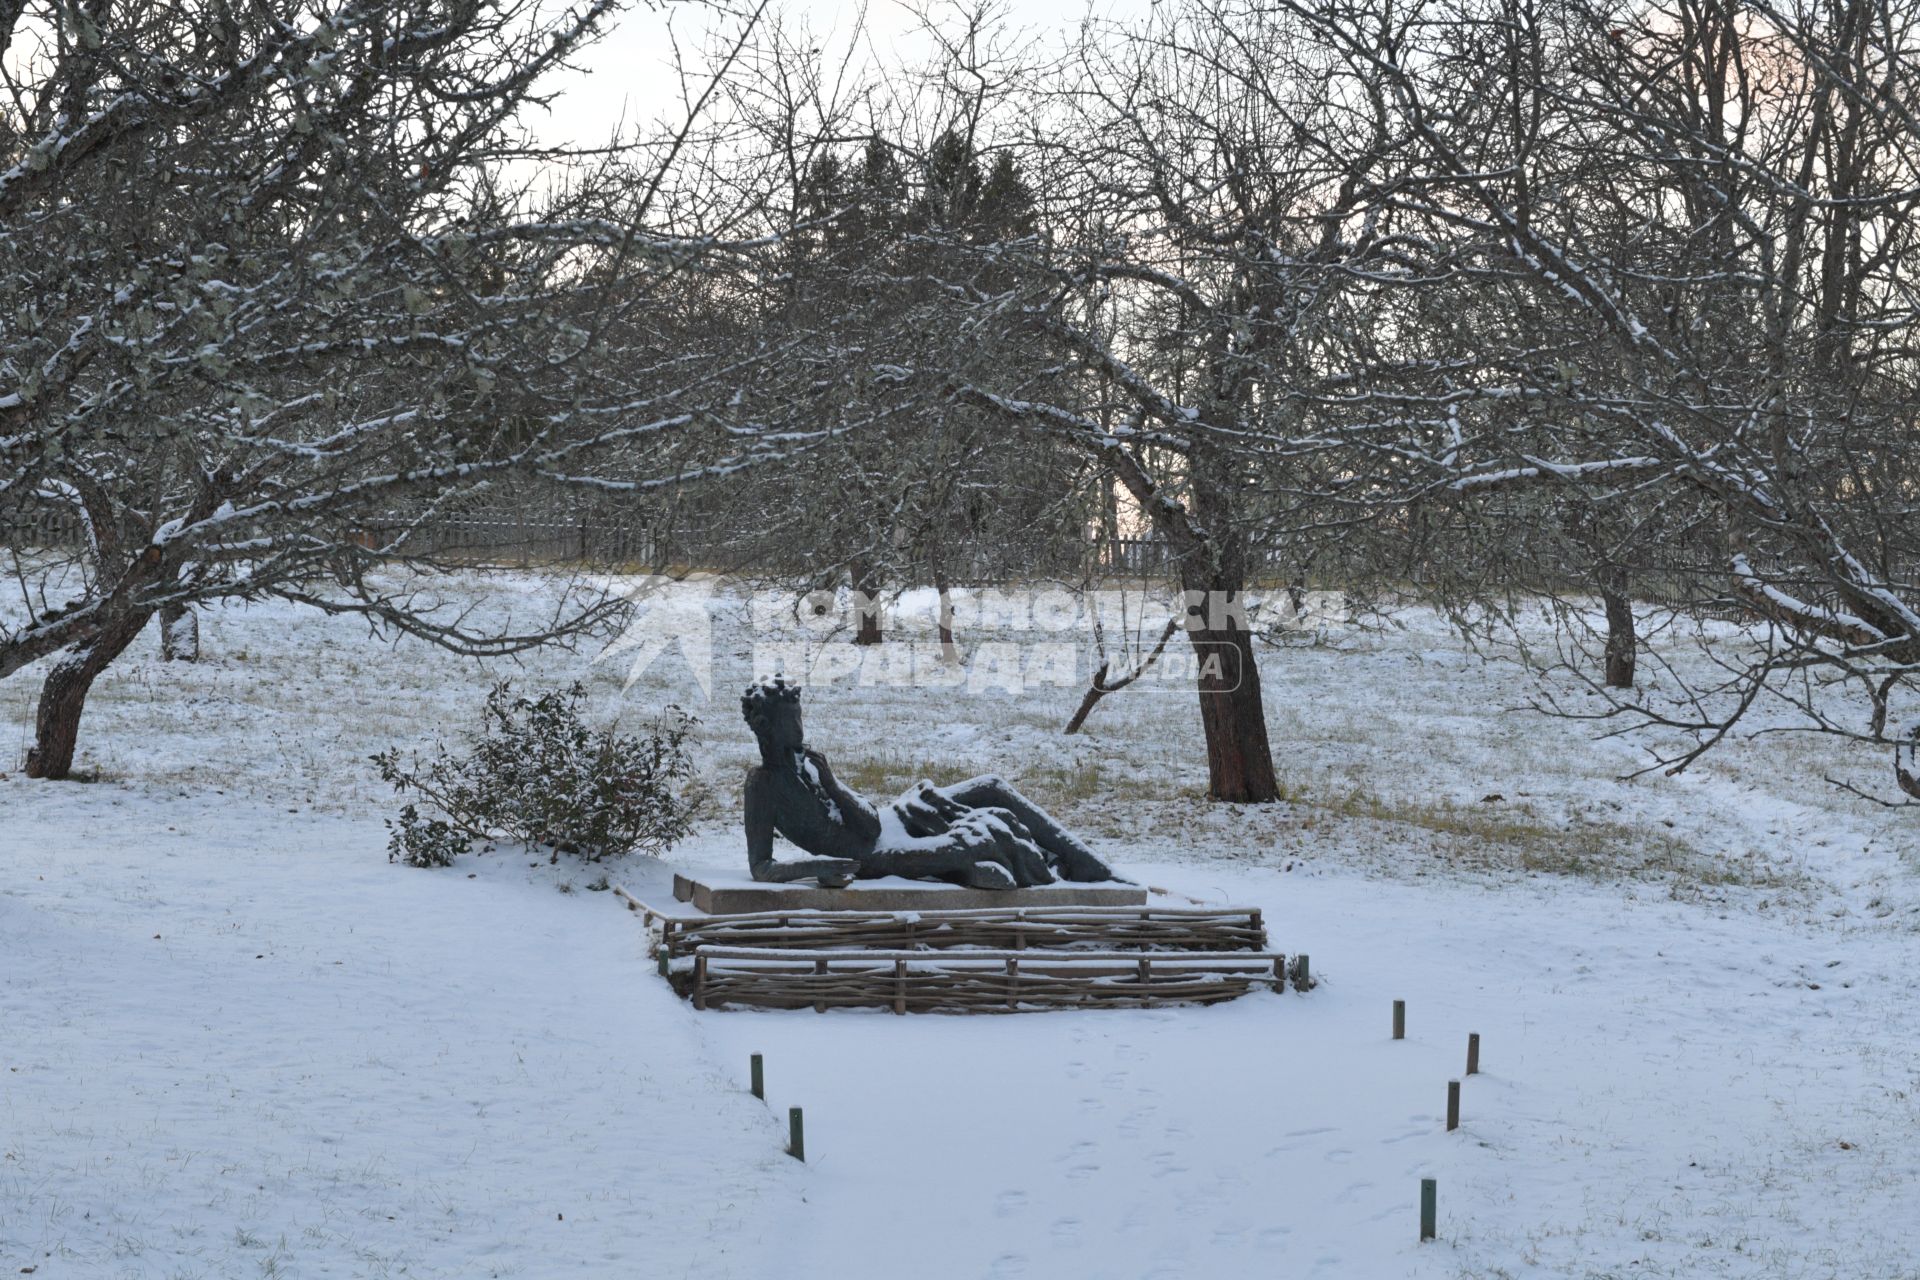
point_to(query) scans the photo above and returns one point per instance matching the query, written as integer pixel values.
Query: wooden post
(1453, 1105)
(699, 982)
(1473, 1053)
(1279, 973)
(1429, 1207)
(1146, 982)
(1399, 1019)
(1013, 983)
(820, 967)
(665, 961)
(757, 1070)
(899, 986)
(796, 1135)
(1302, 973)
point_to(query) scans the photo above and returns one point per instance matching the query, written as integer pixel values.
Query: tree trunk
(1214, 576)
(1211, 553)
(1906, 767)
(866, 601)
(64, 696)
(179, 634)
(1233, 716)
(1622, 644)
(948, 651)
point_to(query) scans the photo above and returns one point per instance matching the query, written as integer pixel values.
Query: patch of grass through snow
(1516, 836)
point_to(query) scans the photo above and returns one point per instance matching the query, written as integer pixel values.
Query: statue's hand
(949, 809)
(819, 761)
(836, 873)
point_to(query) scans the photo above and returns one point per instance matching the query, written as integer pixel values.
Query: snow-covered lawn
(234, 1041)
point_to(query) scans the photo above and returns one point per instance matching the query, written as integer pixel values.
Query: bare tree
(1682, 238)
(271, 302)
(1200, 182)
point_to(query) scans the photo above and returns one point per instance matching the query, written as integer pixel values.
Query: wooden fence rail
(1202, 929)
(968, 981)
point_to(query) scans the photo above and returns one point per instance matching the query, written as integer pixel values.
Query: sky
(629, 73)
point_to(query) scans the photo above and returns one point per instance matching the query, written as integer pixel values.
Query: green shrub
(537, 774)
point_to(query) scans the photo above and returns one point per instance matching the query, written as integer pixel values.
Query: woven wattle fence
(1008, 929)
(990, 960)
(967, 981)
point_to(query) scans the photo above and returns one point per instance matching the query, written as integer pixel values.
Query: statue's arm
(759, 806)
(860, 817)
(759, 812)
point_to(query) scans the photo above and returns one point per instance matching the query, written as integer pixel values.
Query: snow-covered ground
(235, 1041)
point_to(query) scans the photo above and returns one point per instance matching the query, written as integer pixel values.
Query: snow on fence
(958, 981)
(982, 960)
(1194, 929)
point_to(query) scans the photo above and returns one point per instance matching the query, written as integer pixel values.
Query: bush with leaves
(538, 774)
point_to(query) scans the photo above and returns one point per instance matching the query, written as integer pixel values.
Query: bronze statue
(980, 833)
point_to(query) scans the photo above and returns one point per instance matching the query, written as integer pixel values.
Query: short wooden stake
(1453, 1105)
(1302, 973)
(899, 986)
(1473, 1053)
(820, 967)
(699, 982)
(665, 960)
(757, 1069)
(1429, 1207)
(1399, 1019)
(1279, 973)
(796, 1135)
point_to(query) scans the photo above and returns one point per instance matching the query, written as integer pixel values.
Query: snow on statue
(981, 833)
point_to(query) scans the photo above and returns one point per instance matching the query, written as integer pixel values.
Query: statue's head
(772, 711)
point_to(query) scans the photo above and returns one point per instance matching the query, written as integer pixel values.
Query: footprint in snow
(1166, 1164)
(1310, 1133)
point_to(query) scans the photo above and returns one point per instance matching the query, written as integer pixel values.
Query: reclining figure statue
(980, 833)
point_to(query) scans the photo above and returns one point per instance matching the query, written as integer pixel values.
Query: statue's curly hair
(762, 694)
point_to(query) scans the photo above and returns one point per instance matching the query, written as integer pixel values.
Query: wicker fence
(977, 960)
(1191, 929)
(968, 981)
